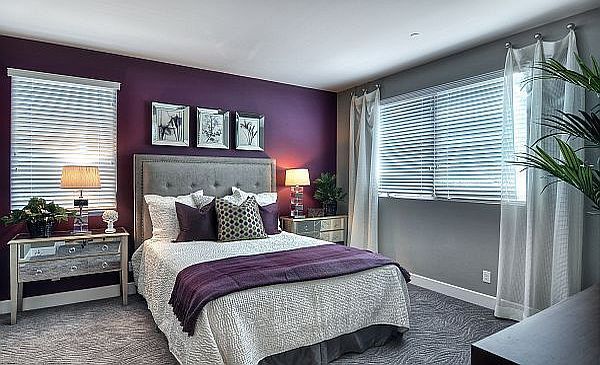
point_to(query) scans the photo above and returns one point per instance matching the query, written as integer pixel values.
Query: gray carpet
(104, 332)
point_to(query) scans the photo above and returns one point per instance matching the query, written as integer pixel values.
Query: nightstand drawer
(89, 248)
(312, 234)
(304, 227)
(56, 269)
(333, 236)
(104, 263)
(332, 224)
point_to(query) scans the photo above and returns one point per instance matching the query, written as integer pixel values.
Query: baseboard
(454, 291)
(109, 291)
(68, 297)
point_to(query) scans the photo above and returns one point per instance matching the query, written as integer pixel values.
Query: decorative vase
(41, 228)
(110, 228)
(330, 208)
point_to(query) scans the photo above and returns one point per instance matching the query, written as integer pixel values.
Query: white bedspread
(247, 326)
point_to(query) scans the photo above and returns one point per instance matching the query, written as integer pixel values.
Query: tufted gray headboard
(178, 175)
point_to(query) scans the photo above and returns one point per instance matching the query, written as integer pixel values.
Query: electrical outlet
(487, 277)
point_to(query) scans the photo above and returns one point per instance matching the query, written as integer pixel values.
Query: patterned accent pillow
(239, 222)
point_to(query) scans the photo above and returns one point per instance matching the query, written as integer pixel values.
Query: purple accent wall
(300, 124)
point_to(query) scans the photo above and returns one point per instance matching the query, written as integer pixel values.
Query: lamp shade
(80, 177)
(297, 177)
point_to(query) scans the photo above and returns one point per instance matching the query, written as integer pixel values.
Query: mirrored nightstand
(332, 228)
(64, 255)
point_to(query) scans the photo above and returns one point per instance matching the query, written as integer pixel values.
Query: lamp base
(80, 222)
(296, 202)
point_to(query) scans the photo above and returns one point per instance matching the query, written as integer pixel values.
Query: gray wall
(449, 241)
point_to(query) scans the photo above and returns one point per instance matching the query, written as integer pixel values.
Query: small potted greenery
(328, 193)
(41, 217)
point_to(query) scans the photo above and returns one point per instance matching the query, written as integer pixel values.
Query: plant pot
(41, 228)
(330, 208)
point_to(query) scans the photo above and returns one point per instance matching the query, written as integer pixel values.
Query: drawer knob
(104, 247)
(38, 272)
(74, 267)
(104, 265)
(72, 249)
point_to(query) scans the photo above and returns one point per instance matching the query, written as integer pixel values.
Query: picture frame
(170, 124)
(249, 131)
(213, 128)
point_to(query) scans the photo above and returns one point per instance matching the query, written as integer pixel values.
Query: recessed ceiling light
(414, 34)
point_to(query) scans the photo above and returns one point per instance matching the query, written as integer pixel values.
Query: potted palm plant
(585, 124)
(328, 193)
(40, 216)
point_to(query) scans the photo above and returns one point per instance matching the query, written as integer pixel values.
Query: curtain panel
(363, 185)
(541, 225)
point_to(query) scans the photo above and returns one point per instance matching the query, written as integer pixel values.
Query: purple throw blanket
(198, 284)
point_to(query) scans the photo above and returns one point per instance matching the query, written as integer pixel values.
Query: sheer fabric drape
(362, 196)
(541, 226)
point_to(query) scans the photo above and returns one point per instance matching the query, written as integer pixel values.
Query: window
(61, 120)
(444, 142)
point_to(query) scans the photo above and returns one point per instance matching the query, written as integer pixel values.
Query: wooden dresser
(332, 228)
(63, 255)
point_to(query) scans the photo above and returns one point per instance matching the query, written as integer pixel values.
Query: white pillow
(202, 200)
(239, 196)
(162, 213)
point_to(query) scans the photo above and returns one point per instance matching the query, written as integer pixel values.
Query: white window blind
(61, 120)
(444, 142)
(406, 147)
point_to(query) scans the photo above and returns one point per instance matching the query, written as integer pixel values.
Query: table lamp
(297, 178)
(80, 177)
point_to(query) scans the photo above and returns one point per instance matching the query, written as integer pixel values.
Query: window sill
(405, 197)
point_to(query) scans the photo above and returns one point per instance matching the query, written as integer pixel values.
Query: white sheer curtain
(362, 197)
(540, 230)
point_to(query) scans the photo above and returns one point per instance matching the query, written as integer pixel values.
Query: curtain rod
(364, 90)
(538, 36)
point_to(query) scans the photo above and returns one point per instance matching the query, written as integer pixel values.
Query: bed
(305, 322)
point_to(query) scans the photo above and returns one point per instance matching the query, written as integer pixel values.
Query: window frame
(17, 75)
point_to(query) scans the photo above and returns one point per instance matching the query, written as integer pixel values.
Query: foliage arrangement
(326, 190)
(37, 210)
(585, 124)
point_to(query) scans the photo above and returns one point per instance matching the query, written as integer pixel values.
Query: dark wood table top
(566, 333)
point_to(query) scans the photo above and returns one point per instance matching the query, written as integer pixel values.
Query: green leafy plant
(585, 124)
(326, 190)
(37, 210)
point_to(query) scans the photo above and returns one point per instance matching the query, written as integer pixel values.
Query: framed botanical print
(249, 131)
(170, 124)
(213, 128)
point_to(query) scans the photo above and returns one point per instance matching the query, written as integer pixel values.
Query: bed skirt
(327, 351)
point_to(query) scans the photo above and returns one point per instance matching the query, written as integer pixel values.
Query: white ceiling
(328, 45)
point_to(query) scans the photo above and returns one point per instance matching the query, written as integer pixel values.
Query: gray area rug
(105, 332)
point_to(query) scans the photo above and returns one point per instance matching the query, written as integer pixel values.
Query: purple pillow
(196, 224)
(270, 218)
